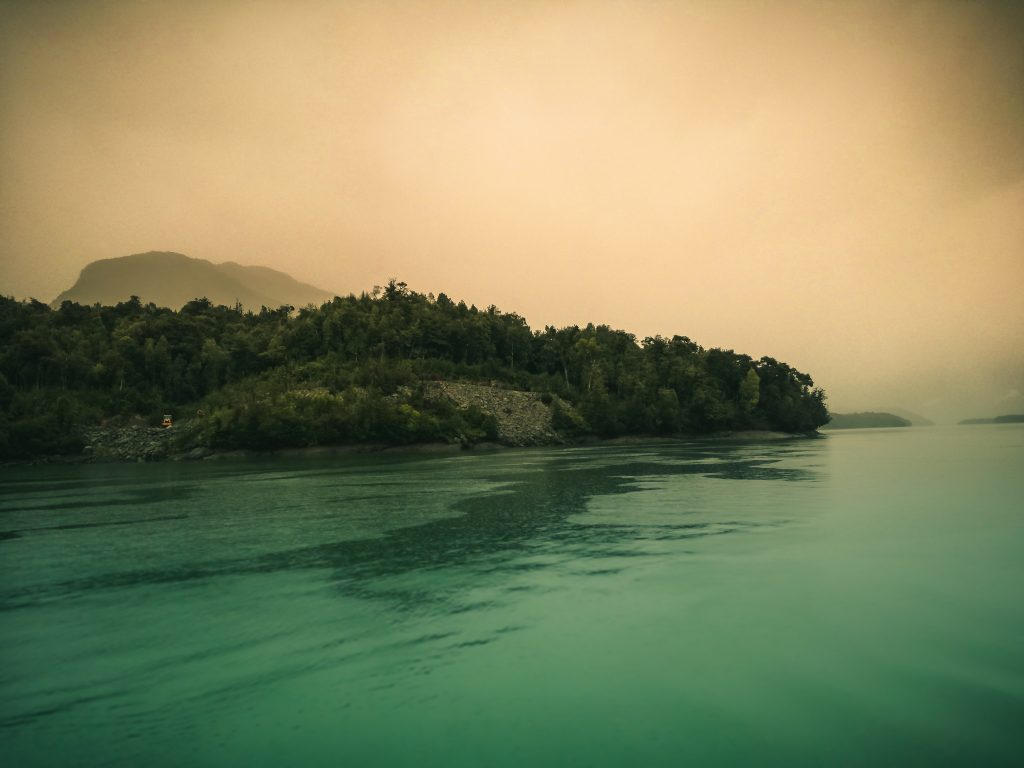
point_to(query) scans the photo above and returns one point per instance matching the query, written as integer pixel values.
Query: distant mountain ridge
(170, 279)
(1009, 418)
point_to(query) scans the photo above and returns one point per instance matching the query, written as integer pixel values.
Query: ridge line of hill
(170, 279)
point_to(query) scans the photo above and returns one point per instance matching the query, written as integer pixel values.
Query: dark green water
(856, 599)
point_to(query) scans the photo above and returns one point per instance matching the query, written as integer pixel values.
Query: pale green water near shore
(855, 599)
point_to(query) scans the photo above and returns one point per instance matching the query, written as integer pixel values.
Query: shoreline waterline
(425, 449)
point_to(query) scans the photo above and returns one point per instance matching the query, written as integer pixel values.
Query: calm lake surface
(856, 599)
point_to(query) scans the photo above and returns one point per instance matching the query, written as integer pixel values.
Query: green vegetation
(866, 420)
(359, 369)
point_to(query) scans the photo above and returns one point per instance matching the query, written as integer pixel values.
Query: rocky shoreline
(129, 445)
(135, 444)
(524, 419)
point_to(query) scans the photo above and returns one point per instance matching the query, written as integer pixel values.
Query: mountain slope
(915, 419)
(284, 288)
(173, 279)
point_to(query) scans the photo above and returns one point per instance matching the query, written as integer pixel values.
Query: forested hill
(866, 420)
(364, 369)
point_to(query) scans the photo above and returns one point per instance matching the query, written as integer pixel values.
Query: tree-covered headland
(866, 420)
(363, 369)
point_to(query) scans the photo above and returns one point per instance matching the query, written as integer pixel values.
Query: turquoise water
(854, 599)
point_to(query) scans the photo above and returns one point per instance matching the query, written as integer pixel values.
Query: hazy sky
(839, 185)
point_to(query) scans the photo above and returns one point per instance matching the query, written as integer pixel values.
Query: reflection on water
(525, 501)
(524, 606)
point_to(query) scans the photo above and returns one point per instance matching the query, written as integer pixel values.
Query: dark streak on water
(503, 521)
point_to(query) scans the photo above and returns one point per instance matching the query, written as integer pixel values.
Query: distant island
(1010, 418)
(865, 420)
(169, 279)
(915, 419)
(386, 367)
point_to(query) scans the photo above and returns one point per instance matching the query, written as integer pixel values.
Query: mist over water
(850, 599)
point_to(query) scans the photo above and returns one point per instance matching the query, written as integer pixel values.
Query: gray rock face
(127, 443)
(523, 418)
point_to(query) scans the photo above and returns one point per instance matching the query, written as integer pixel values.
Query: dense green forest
(355, 370)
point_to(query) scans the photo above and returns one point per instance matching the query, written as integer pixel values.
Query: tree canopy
(354, 370)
